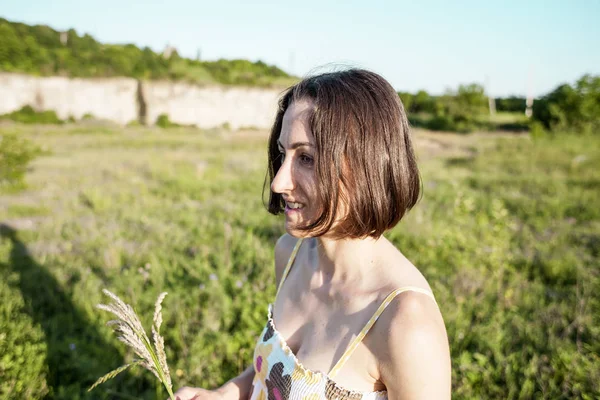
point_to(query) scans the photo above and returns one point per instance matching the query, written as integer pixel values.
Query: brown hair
(364, 156)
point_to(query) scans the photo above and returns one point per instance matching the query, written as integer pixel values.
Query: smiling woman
(295, 183)
(355, 126)
(354, 318)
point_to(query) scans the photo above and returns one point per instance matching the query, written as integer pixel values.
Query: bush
(163, 121)
(418, 103)
(23, 366)
(464, 110)
(571, 108)
(15, 154)
(27, 115)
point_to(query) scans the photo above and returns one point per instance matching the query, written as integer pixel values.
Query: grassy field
(507, 232)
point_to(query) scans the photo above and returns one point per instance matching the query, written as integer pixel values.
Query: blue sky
(431, 45)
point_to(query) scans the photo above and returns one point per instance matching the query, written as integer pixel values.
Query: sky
(510, 47)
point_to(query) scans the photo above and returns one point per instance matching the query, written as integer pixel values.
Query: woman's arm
(236, 388)
(414, 355)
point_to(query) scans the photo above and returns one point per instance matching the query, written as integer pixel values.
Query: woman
(342, 168)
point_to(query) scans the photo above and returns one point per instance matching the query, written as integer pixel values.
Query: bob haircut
(364, 156)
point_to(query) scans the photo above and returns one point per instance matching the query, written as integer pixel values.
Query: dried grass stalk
(131, 332)
(113, 373)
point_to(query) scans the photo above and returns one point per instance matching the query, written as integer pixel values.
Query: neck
(341, 260)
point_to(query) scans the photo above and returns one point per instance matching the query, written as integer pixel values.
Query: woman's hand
(236, 388)
(192, 393)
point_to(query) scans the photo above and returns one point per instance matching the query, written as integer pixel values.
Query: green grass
(507, 232)
(25, 210)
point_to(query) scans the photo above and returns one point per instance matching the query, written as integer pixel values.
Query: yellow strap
(289, 265)
(354, 344)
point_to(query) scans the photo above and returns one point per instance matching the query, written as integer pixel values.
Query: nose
(283, 181)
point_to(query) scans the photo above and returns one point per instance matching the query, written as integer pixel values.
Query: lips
(293, 205)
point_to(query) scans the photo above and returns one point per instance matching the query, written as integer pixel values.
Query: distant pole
(491, 100)
(529, 101)
(198, 54)
(64, 38)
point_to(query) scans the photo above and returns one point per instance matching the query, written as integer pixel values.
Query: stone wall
(112, 99)
(123, 100)
(210, 106)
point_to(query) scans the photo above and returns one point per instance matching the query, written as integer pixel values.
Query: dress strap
(289, 265)
(354, 344)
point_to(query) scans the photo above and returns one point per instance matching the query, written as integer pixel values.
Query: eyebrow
(296, 145)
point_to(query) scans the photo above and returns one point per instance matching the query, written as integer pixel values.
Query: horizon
(476, 46)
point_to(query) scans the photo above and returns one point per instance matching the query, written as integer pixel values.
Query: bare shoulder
(283, 249)
(411, 347)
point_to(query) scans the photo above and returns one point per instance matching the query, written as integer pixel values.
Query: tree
(423, 102)
(573, 108)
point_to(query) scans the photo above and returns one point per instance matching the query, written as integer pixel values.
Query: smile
(293, 206)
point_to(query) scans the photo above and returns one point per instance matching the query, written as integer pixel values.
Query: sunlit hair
(364, 156)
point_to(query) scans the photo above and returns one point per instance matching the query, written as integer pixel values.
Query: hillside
(41, 50)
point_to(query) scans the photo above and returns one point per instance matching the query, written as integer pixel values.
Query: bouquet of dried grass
(132, 333)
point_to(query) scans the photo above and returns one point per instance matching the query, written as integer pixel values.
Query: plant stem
(157, 365)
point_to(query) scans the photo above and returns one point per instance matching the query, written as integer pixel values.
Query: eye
(305, 159)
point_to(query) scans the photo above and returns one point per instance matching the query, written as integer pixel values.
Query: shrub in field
(27, 115)
(23, 365)
(571, 108)
(420, 102)
(15, 155)
(463, 110)
(163, 121)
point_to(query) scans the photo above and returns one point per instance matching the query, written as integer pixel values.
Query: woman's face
(296, 180)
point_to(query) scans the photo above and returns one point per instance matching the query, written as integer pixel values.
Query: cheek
(309, 187)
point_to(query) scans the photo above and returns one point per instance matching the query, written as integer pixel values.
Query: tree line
(568, 108)
(41, 50)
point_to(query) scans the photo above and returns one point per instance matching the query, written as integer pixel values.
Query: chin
(292, 230)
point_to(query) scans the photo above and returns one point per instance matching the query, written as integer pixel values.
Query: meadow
(507, 232)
